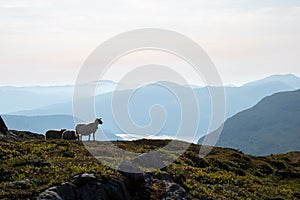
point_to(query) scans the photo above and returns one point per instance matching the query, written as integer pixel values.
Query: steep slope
(272, 126)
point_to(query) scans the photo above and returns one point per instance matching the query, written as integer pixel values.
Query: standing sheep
(88, 129)
(54, 134)
(69, 135)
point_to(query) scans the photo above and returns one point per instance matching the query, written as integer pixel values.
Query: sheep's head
(100, 120)
(62, 130)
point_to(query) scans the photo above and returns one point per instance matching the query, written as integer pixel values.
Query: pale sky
(45, 42)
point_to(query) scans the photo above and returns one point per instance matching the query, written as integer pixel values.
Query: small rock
(151, 159)
(84, 179)
(175, 191)
(49, 195)
(24, 184)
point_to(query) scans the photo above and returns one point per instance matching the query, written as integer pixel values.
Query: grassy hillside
(224, 173)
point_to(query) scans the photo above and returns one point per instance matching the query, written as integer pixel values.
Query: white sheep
(88, 129)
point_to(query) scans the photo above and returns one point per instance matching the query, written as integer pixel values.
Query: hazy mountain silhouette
(270, 127)
(237, 99)
(290, 80)
(14, 99)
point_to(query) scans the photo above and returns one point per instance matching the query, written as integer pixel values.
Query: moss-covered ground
(223, 174)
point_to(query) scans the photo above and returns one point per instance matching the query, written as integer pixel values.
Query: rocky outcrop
(16, 135)
(4, 132)
(3, 127)
(88, 187)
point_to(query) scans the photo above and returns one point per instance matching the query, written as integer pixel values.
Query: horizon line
(115, 82)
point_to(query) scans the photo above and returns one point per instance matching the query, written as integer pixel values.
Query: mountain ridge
(237, 99)
(271, 126)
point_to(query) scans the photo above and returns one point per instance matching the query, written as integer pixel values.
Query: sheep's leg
(94, 136)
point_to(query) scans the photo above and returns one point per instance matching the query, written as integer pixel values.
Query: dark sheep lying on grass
(70, 135)
(54, 134)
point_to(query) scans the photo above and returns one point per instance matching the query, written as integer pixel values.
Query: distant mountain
(270, 127)
(25, 98)
(290, 80)
(14, 99)
(237, 99)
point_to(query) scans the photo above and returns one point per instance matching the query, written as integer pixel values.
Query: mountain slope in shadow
(272, 126)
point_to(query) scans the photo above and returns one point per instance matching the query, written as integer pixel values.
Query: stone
(66, 191)
(135, 179)
(116, 190)
(175, 191)
(23, 184)
(84, 179)
(3, 127)
(49, 195)
(151, 159)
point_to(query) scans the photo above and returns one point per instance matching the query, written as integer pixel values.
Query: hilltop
(30, 166)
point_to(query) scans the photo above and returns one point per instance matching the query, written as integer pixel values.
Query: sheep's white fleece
(87, 129)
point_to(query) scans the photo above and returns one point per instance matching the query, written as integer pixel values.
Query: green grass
(224, 173)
